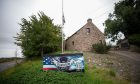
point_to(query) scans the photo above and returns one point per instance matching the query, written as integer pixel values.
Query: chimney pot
(89, 20)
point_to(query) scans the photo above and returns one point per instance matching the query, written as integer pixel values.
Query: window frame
(88, 30)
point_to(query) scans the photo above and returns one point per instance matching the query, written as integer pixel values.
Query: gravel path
(7, 65)
(132, 55)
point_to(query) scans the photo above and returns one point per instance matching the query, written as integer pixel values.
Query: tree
(125, 19)
(38, 36)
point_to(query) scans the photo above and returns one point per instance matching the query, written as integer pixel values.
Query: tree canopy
(38, 35)
(125, 19)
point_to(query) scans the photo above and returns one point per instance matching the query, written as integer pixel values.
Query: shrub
(134, 39)
(101, 48)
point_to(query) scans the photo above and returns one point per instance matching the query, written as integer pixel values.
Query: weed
(112, 72)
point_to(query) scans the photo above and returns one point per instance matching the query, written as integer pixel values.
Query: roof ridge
(88, 21)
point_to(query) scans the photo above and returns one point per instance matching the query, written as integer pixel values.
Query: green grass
(30, 72)
(58, 52)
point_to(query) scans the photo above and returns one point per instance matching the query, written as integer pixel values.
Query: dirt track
(132, 55)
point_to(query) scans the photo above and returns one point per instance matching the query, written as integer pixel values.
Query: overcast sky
(76, 14)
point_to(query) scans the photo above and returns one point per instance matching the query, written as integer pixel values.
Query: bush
(134, 39)
(101, 48)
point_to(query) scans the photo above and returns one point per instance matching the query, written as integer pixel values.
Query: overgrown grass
(30, 73)
(112, 72)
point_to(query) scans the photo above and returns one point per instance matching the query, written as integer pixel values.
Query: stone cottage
(85, 37)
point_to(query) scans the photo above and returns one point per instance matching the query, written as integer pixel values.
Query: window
(72, 42)
(88, 30)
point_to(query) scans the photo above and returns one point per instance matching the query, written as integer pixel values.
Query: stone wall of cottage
(83, 39)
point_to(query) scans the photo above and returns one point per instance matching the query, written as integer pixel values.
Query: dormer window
(88, 30)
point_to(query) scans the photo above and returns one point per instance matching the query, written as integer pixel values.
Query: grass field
(30, 72)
